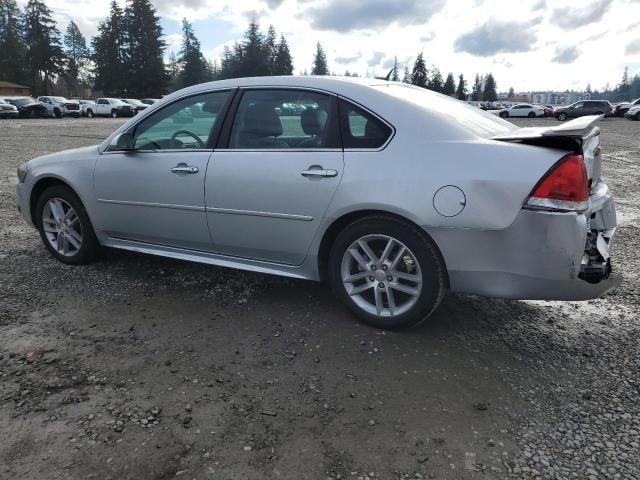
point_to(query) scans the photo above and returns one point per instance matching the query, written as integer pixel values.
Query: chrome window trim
(279, 150)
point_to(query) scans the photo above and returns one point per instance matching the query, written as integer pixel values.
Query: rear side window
(360, 129)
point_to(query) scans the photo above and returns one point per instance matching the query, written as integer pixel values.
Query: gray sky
(552, 44)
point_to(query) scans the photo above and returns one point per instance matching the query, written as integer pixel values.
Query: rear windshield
(471, 118)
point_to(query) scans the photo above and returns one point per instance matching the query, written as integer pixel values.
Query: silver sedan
(393, 194)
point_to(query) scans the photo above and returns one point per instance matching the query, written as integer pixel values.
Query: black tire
(599, 113)
(562, 117)
(90, 113)
(504, 114)
(426, 253)
(531, 115)
(114, 114)
(57, 113)
(89, 247)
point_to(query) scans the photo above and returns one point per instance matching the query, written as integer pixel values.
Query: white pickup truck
(61, 107)
(114, 108)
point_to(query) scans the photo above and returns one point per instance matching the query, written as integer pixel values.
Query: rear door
(269, 185)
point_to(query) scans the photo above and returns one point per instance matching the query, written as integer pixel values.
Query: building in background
(13, 89)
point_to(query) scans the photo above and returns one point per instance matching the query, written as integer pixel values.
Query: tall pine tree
(319, 62)
(449, 87)
(435, 80)
(77, 55)
(146, 74)
(489, 92)
(194, 66)
(394, 77)
(44, 57)
(109, 56)
(13, 50)
(419, 75)
(476, 90)
(461, 90)
(283, 61)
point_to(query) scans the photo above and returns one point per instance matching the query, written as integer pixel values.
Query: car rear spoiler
(580, 135)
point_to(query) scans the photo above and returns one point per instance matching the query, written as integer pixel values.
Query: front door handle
(183, 168)
(317, 171)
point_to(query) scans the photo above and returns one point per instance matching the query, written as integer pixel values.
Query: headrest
(262, 120)
(313, 121)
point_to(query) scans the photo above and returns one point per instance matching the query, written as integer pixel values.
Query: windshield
(23, 101)
(470, 118)
(134, 101)
(115, 100)
(59, 99)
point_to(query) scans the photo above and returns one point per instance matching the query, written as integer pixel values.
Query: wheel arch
(340, 223)
(40, 186)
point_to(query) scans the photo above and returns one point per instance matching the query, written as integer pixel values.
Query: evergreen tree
(146, 75)
(511, 93)
(461, 91)
(173, 70)
(319, 62)
(270, 50)
(419, 76)
(44, 57)
(489, 92)
(253, 61)
(194, 68)
(13, 50)
(283, 61)
(109, 54)
(435, 82)
(77, 55)
(406, 77)
(625, 84)
(449, 87)
(394, 77)
(476, 90)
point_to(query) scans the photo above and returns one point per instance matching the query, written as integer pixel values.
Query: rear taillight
(564, 188)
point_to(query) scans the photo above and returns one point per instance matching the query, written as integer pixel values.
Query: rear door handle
(183, 168)
(319, 172)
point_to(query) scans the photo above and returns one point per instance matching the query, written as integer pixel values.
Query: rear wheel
(65, 227)
(599, 113)
(637, 117)
(531, 115)
(387, 272)
(562, 117)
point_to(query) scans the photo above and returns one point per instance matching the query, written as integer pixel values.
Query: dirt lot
(139, 367)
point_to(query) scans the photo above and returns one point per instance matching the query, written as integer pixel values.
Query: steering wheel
(186, 132)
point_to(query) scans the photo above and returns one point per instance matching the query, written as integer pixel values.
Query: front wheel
(90, 113)
(114, 114)
(504, 114)
(387, 271)
(57, 113)
(65, 227)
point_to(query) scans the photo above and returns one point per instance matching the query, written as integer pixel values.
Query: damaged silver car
(393, 194)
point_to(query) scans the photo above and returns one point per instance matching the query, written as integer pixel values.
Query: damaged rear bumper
(541, 256)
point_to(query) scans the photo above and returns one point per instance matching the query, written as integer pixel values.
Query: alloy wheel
(381, 275)
(61, 226)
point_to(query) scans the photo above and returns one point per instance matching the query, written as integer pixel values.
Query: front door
(155, 193)
(268, 188)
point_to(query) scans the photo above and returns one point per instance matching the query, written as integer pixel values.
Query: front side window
(185, 124)
(578, 105)
(360, 129)
(277, 119)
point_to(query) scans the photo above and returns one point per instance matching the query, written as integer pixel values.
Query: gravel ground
(142, 367)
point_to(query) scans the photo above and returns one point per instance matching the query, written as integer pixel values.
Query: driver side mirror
(122, 142)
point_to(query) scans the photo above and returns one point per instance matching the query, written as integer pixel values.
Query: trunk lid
(580, 135)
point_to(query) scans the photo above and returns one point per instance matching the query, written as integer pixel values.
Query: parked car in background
(28, 107)
(7, 110)
(548, 110)
(88, 108)
(582, 108)
(113, 107)
(137, 105)
(493, 210)
(622, 108)
(633, 113)
(522, 110)
(149, 101)
(61, 107)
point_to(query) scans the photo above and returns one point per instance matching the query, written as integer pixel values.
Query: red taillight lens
(564, 187)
